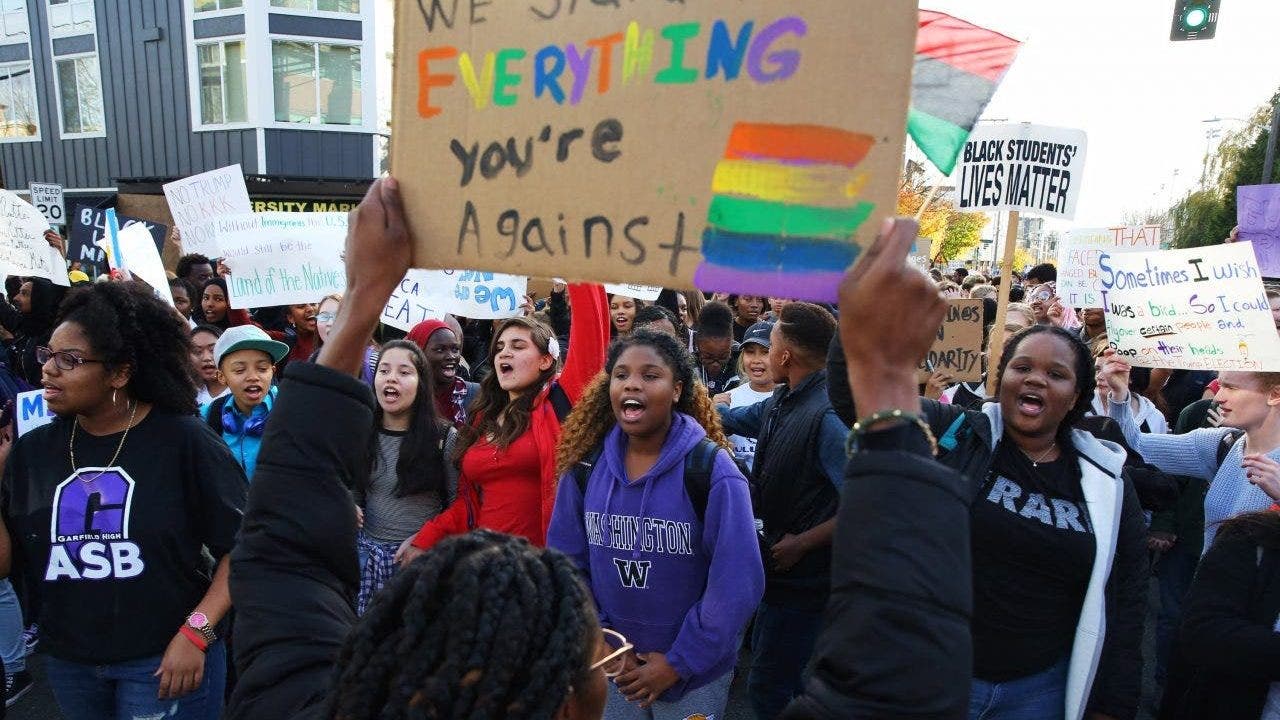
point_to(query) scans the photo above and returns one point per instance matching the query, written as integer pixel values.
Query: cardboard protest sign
(23, 249)
(1258, 215)
(282, 258)
(750, 146)
(49, 200)
(89, 225)
(31, 412)
(1079, 277)
(958, 348)
(199, 199)
(1024, 167)
(645, 293)
(1197, 309)
(411, 303)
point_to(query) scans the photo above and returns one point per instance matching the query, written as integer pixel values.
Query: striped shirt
(391, 519)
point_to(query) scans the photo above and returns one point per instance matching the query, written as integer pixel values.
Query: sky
(1107, 67)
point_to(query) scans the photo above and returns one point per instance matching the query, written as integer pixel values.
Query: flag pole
(996, 343)
(928, 199)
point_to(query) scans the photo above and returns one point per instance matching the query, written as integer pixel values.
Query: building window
(224, 97)
(13, 21)
(316, 83)
(211, 5)
(68, 18)
(339, 6)
(18, 117)
(80, 95)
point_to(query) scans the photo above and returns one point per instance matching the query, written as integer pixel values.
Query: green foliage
(963, 233)
(1206, 215)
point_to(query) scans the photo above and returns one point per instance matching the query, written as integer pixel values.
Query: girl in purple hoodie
(678, 577)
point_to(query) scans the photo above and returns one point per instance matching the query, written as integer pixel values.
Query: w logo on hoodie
(633, 573)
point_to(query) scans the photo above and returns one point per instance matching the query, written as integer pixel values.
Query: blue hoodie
(659, 576)
(244, 445)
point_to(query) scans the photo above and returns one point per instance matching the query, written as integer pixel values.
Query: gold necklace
(71, 447)
(1036, 463)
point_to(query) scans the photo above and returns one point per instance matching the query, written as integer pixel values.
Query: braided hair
(1081, 363)
(483, 626)
(129, 327)
(592, 418)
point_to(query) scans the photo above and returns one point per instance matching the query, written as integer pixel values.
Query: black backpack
(697, 473)
(1229, 440)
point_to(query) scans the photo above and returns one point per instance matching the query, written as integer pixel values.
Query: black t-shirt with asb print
(116, 552)
(1033, 550)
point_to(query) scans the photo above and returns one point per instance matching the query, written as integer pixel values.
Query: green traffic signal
(1195, 17)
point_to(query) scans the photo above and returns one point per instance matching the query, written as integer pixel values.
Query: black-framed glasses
(63, 359)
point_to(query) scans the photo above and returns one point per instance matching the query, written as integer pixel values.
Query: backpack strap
(582, 469)
(560, 404)
(1229, 441)
(698, 465)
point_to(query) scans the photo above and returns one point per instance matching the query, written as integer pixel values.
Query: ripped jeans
(127, 690)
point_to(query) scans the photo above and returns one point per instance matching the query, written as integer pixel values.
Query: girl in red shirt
(508, 453)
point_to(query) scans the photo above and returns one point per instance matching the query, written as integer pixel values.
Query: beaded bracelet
(860, 428)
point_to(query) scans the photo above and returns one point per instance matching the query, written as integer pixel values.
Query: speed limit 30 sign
(49, 200)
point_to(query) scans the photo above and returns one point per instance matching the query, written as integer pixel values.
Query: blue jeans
(1042, 696)
(781, 646)
(707, 701)
(126, 690)
(13, 651)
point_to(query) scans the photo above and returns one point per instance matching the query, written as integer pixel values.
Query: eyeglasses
(63, 359)
(617, 647)
(325, 317)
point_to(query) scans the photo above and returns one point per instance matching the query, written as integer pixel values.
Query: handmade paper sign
(1198, 309)
(282, 258)
(140, 256)
(23, 249)
(199, 199)
(958, 347)
(751, 146)
(1258, 215)
(31, 412)
(475, 294)
(646, 293)
(1079, 277)
(411, 303)
(1030, 168)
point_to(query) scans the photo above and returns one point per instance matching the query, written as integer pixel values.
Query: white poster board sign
(199, 199)
(23, 249)
(412, 302)
(140, 257)
(49, 200)
(644, 293)
(1198, 309)
(31, 412)
(1079, 277)
(282, 258)
(1024, 167)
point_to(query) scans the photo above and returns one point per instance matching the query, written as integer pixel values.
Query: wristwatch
(198, 622)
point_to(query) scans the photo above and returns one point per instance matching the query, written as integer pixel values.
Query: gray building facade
(95, 91)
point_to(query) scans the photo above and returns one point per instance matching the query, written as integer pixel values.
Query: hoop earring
(113, 397)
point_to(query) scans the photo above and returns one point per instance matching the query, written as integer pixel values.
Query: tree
(951, 232)
(1206, 215)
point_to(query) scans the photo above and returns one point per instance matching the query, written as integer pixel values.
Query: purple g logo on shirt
(89, 533)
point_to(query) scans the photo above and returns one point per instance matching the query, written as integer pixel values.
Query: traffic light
(1194, 19)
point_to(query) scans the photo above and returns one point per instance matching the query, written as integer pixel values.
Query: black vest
(792, 492)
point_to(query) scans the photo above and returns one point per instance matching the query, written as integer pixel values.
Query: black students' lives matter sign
(1024, 167)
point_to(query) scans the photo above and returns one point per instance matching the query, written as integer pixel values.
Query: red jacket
(588, 343)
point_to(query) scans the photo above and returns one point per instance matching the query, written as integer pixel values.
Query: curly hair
(188, 261)
(483, 626)
(493, 402)
(127, 326)
(1081, 363)
(592, 418)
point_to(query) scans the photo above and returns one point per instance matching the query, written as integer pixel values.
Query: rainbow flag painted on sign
(785, 209)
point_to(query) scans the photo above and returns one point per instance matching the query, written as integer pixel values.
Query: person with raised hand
(486, 626)
(1058, 540)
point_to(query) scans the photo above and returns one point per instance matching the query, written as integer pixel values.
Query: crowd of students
(611, 508)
